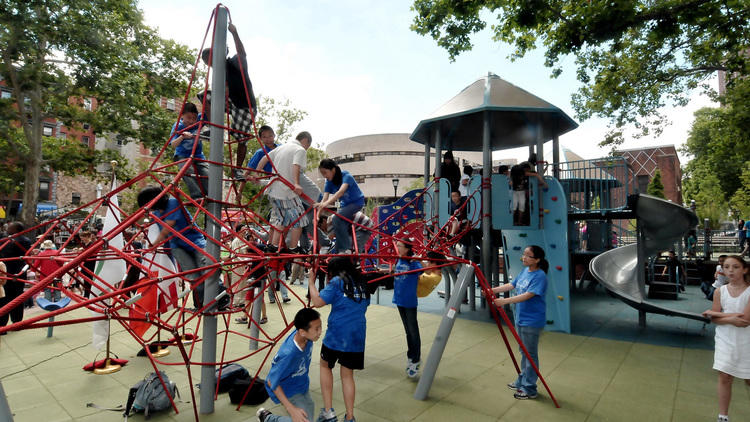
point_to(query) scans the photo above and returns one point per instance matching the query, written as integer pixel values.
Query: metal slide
(621, 270)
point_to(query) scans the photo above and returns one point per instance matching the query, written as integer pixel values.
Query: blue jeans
(303, 401)
(526, 380)
(196, 187)
(343, 228)
(413, 342)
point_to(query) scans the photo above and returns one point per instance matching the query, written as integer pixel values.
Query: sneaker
(327, 415)
(521, 395)
(412, 369)
(262, 414)
(238, 175)
(512, 386)
(722, 418)
(242, 320)
(272, 300)
(263, 320)
(287, 300)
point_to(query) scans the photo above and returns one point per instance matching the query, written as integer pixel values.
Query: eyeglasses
(528, 256)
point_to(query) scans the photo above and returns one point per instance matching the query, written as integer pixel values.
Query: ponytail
(354, 286)
(539, 254)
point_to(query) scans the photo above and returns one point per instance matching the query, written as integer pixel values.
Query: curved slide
(662, 223)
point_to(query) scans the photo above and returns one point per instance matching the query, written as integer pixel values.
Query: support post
(438, 160)
(215, 176)
(540, 171)
(256, 313)
(427, 163)
(5, 413)
(486, 259)
(465, 276)
(556, 157)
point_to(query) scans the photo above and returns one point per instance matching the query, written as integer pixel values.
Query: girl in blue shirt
(405, 298)
(345, 338)
(531, 286)
(340, 185)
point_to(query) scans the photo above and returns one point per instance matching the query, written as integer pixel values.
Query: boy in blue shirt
(288, 381)
(187, 138)
(188, 254)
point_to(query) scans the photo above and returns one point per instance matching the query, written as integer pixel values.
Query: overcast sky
(357, 68)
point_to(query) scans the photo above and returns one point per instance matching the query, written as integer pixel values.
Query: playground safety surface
(631, 378)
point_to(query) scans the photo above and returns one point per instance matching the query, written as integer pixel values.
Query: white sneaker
(412, 369)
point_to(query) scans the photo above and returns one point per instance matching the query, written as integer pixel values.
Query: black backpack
(257, 394)
(229, 374)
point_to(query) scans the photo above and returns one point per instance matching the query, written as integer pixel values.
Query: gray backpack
(149, 396)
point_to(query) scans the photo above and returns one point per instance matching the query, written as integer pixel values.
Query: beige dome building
(375, 160)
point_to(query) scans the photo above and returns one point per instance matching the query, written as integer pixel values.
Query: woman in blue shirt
(531, 286)
(340, 185)
(345, 337)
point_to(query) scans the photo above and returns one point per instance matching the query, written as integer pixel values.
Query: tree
(719, 141)
(59, 55)
(740, 201)
(632, 57)
(655, 187)
(705, 189)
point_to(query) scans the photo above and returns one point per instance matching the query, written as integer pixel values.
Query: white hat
(48, 244)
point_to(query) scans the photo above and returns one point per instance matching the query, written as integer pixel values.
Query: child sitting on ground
(288, 381)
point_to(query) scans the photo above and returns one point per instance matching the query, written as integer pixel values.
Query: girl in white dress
(731, 312)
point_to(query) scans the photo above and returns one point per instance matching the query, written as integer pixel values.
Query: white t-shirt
(464, 189)
(721, 279)
(283, 158)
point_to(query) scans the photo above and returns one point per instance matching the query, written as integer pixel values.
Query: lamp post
(395, 187)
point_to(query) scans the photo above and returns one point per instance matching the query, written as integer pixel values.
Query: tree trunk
(33, 163)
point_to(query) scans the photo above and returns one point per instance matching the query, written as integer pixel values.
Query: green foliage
(281, 116)
(632, 57)
(704, 188)
(719, 143)
(371, 204)
(56, 53)
(740, 201)
(655, 187)
(415, 184)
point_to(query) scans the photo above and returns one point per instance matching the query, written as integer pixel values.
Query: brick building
(645, 161)
(58, 191)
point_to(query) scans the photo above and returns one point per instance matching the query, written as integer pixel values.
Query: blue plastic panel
(443, 202)
(553, 238)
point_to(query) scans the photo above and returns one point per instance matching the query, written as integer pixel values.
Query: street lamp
(395, 187)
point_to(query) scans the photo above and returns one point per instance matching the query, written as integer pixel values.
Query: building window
(170, 104)
(5, 94)
(87, 104)
(642, 182)
(47, 130)
(85, 140)
(86, 126)
(75, 198)
(62, 135)
(44, 190)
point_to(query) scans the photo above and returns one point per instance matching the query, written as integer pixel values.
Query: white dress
(732, 350)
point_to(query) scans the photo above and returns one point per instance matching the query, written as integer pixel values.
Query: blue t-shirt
(532, 312)
(405, 285)
(290, 368)
(353, 194)
(259, 154)
(185, 148)
(747, 227)
(347, 325)
(175, 212)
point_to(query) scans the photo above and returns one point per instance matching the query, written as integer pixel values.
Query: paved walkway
(594, 379)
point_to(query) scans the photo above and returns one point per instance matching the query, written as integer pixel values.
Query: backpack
(229, 374)
(149, 396)
(256, 396)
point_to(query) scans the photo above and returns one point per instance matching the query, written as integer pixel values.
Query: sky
(356, 68)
